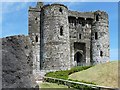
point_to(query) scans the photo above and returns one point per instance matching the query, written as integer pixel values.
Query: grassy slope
(102, 74)
(51, 85)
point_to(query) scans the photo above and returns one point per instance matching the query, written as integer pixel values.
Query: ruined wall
(17, 64)
(55, 43)
(100, 38)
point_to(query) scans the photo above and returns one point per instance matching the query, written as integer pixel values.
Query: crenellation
(84, 15)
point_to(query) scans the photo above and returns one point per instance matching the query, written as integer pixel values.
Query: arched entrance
(78, 57)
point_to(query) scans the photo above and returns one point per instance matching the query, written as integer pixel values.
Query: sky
(14, 19)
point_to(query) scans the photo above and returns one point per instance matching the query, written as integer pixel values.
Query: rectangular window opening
(101, 53)
(61, 31)
(96, 35)
(79, 36)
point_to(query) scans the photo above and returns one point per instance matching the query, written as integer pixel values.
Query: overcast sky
(15, 18)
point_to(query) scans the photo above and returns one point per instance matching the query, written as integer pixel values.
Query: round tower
(55, 43)
(100, 38)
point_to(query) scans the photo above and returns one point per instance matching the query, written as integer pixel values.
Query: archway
(78, 58)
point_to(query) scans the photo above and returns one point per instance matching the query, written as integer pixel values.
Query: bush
(78, 68)
(65, 73)
(58, 74)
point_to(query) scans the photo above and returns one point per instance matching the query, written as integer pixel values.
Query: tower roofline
(54, 4)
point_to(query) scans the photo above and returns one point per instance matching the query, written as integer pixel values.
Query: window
(83, 23)
(36, 38)
(79, 36)
(61, 31)
(60, 10)
(36, 18)
(96, 35)
(101, 53)
(97, 18)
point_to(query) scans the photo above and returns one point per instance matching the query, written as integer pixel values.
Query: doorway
(78, 58)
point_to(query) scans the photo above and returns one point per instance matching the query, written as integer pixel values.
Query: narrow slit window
(101, 53)
(61, 31)
(97, 18)
(96, 35)
(79, 36)
(36, 38)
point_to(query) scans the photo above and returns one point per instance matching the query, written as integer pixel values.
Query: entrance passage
(78, 58)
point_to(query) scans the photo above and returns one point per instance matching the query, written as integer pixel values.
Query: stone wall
(17, 64)
(100, 38)
(80, 33)
(62, 33)
(34, 33)
(55, 43)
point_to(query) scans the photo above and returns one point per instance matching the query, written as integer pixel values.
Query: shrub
(65, 73)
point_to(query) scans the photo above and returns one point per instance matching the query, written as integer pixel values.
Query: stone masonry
(58, 40)
(17, 64)
(63, 38)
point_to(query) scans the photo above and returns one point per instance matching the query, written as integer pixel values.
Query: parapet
(103, 14)
(54, 4)
(86, 15)
(81, 14)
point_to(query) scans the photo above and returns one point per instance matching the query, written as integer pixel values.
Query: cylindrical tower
(55, 43)
(100, 38)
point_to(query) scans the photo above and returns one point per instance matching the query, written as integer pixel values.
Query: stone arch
(78, 58)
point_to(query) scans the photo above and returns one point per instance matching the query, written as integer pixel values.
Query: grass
(64, 74)
(101, 74)
(51, 85)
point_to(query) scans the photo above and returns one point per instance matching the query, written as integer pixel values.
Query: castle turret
(34, 33)
(55, 42)
(100, 38)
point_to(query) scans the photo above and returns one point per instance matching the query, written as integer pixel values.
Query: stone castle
(63, 38)
(58, 39)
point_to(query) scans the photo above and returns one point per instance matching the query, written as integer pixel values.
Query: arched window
(36, 38)
(61, 31)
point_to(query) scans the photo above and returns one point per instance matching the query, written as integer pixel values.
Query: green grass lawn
(101, 74)
(51, 85)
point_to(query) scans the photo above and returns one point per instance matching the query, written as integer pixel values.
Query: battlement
(54, 4)
(77, 14)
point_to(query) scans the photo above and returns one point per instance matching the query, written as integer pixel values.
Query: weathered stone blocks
(17, 64)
